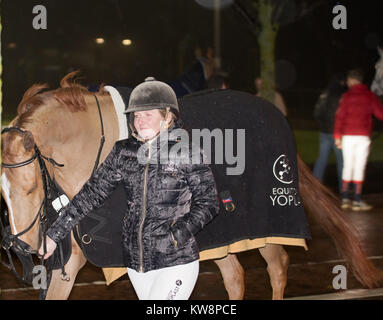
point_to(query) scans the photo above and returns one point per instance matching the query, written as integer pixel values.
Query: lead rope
(43, 291)
(64, 276)
(47, 183)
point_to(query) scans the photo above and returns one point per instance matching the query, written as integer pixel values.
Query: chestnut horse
(64, 124)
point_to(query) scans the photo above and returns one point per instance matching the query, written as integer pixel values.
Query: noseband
(9, 240)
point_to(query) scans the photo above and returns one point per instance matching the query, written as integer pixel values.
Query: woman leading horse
(64, 124)
(169, 199)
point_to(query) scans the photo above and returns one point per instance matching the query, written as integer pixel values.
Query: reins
(13, 241)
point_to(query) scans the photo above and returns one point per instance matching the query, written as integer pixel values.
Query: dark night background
(164, 34)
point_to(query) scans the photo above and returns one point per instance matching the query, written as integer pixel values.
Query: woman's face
(148, 123)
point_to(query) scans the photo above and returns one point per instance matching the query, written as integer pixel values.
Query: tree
(265, 17)
(266, 40)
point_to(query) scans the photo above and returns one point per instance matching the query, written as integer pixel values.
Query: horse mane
(70, 95)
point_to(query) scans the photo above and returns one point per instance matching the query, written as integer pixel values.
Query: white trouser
(355, 151)
(171, 283)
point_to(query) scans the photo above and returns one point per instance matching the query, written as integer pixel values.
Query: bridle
(29, 161)
(8, 241)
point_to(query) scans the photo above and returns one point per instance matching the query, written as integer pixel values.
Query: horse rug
(254, 161)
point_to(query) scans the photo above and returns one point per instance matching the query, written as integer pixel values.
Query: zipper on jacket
(143, 211)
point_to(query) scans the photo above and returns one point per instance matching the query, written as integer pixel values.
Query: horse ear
(380, 51)
(28, 140)
(68, 80)
(24, 105)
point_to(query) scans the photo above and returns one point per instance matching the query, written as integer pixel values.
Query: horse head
(21, 176)
(21, 183)
(41, 124)
(377, 84)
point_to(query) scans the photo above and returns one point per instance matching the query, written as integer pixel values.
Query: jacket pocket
(162, 239)
(163, 243)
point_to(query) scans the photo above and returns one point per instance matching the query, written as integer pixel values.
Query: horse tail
(323, 205)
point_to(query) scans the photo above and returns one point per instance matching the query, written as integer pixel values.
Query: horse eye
(32, 189)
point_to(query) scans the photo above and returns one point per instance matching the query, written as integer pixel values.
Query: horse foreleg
(233, 276)
(277, 263)
(60, 289)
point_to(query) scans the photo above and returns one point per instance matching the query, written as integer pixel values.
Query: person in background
(195, 78)
(219, 81)
(278, 99)
(352, 131)
(324, 113)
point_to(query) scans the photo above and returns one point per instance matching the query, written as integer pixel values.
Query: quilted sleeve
(92, 195)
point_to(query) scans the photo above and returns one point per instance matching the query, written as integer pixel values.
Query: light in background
(126, 42)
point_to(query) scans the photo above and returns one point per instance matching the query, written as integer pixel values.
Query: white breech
(355, 151)
(171, 283)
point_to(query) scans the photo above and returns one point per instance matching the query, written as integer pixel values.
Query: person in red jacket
(352, 131)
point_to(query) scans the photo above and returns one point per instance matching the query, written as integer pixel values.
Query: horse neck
(73, 139)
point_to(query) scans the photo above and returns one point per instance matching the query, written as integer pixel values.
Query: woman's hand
(51, 247)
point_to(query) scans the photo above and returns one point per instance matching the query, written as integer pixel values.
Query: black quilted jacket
(167, 203)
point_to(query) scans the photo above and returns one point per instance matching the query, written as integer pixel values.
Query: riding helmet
(152, 94)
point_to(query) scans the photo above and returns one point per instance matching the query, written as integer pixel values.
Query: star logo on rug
(282, 170)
